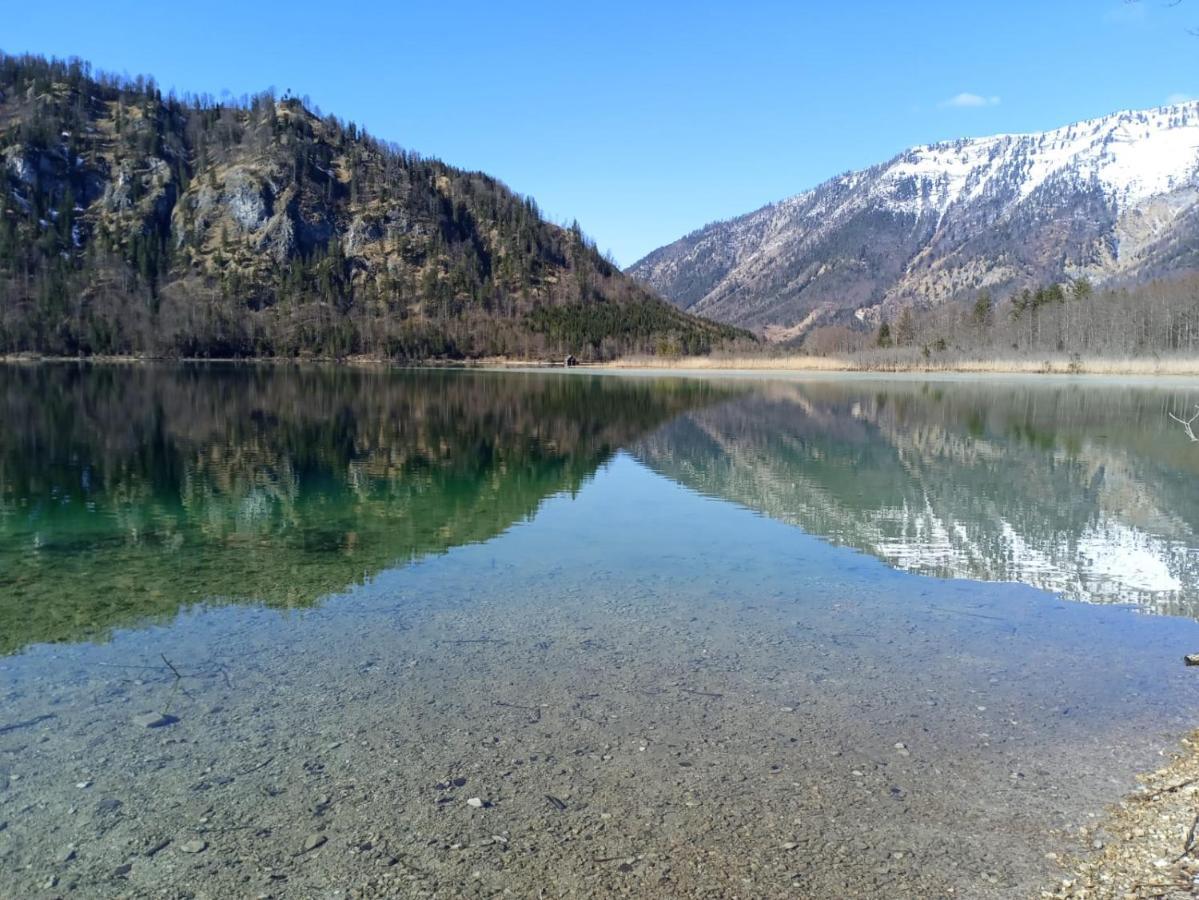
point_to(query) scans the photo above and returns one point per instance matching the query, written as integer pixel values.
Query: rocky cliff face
(137, 222)
(1111, 198)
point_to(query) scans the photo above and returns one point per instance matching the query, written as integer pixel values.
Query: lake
(273, 631)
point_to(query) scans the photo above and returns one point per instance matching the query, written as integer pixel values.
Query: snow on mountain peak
(1113, 197)
(1130, 155)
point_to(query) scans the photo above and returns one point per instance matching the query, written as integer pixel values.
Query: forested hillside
(137, 222)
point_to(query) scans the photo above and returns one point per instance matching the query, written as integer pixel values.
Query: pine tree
(980, 314)
(905, 329)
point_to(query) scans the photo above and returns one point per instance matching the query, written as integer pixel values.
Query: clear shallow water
(585, 589)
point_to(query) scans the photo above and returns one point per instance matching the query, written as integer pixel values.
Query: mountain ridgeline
(1113, 201)
(137, 222)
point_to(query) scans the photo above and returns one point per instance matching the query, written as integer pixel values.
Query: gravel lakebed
(522, 718)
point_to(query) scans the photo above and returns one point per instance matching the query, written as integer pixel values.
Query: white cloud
(1179, 98)
(967, 100)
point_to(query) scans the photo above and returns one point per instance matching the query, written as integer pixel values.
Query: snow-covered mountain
(1110, 198)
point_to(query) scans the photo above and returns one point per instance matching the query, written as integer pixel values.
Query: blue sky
(646, 120)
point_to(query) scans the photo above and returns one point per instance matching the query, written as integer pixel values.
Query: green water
(127, 493)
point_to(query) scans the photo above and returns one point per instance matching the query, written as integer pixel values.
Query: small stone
(157, 847)
(122, 870)
(66, 854)
(1191, 659)
(313, 841)
(154, 720)
(475, 802)
(196, 846)
(790, 845)
(83, 785)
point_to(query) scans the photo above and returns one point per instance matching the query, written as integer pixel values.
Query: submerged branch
(1188, 423)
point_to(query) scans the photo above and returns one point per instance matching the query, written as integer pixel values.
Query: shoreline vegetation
(914, 362)
(898, 362)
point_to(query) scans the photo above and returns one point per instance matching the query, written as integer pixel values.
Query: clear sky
(645, 120)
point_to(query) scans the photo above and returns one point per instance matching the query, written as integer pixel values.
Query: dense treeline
(138, 222)
(1156, 318)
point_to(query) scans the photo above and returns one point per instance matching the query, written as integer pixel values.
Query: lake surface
(266, 631)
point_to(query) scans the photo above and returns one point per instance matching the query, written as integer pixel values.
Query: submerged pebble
(154, 720)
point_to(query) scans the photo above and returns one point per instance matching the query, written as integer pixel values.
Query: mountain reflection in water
(129, 493)
(1087, 491)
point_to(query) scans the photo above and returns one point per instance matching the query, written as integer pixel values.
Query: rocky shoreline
(1148, 845)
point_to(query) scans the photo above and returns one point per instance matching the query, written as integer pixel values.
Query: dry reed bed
(1172, 366)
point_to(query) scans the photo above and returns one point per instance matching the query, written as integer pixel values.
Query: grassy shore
(1173, 366)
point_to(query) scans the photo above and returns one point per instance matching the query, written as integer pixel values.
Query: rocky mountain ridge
(1114, 198)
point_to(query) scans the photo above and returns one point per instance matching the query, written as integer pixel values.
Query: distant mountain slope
(1115, 197)
(134, 222)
